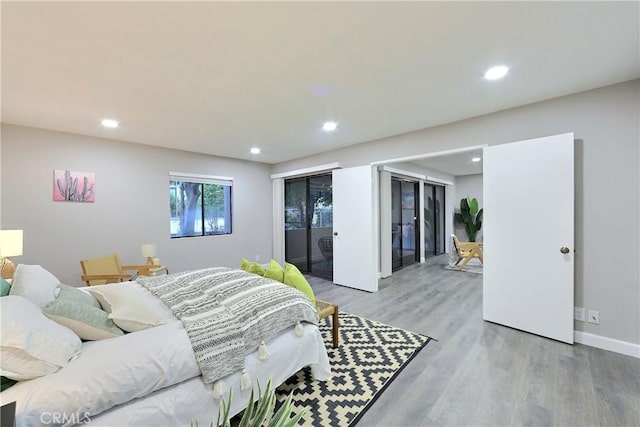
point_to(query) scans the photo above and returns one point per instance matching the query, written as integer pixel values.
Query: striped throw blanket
(228, 312)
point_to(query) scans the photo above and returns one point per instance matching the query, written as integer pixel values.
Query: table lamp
(149, 251)
(10, 245)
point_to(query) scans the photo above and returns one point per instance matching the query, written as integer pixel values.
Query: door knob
(335, 233)
(564, 250)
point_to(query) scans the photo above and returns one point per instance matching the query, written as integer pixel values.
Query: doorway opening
(308, 221)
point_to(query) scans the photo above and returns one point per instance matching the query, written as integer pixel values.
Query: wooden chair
(467, 251)
(107, 269)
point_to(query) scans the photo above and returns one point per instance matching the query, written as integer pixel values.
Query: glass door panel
(404, 233)
(429, 221)
(439, 215)
(309, 224)
(408, 222)
(434, 238)
(321, 226)
(396, 224)
(295, 223)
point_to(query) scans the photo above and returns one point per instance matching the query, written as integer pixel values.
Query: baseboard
(598, 341)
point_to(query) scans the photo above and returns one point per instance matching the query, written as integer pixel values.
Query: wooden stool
(326, 309)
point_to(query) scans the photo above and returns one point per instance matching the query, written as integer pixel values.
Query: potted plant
(470, 217)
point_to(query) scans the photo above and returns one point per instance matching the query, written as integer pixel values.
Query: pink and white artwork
(72, 186)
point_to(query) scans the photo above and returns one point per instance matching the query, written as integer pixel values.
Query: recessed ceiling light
(476, 159)
(329, 126)
(110, 123)
(496, 73)
(255, 150)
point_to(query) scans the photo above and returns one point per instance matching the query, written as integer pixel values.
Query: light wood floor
(479, 373)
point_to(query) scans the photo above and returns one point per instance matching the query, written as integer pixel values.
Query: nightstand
(152, 270)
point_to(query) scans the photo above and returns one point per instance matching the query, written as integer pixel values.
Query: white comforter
(192, 400)
(151, 378)
(107, 373)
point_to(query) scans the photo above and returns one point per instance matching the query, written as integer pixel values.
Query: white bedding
(107, 373)
(151, 377)
(193, 400)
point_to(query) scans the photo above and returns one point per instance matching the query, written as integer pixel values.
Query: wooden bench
(326, 309)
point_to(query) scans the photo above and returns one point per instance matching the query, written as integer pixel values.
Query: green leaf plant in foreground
(259, 413)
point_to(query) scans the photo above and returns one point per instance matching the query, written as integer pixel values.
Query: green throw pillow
(295, 279)
(251, 267)
(274, 271)
(87, 321)
(255, 268)
(5, 287)
(72, 294)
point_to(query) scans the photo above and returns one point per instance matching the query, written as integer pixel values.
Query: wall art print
(72, 186)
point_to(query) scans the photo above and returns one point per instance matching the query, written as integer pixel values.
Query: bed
(153, 376)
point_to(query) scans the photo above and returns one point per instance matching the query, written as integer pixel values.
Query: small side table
(153, 270)
(326, 309)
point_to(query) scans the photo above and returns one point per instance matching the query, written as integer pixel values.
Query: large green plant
(470, 217)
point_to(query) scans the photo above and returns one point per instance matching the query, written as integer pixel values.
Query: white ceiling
(456, 164)
(221, 77)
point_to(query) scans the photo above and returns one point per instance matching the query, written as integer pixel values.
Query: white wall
(605, 124)
(385, 215)
(467, 186)
(131, 206)
(0, 180)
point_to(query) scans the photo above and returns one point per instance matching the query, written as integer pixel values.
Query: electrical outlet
(578, 314)
(594, 317)
(257, 257)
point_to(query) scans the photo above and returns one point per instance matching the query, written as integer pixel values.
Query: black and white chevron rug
(370, 356)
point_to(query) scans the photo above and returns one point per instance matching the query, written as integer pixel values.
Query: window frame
(203, 180)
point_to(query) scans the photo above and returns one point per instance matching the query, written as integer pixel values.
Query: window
(199, 205)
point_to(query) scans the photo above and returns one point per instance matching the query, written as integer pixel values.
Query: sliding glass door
(434, 238)
(404, 214)
(309, 224)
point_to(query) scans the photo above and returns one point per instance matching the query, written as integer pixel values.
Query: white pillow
(130, 306)
(35, 284)
(31, 344)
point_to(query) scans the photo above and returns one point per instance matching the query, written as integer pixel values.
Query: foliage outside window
(319, 200)
(199, 205)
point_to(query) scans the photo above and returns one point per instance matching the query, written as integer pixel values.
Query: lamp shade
(10, 243)
(148, 250)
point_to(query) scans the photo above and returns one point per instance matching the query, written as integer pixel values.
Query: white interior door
(354, 262)
(528, 190)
